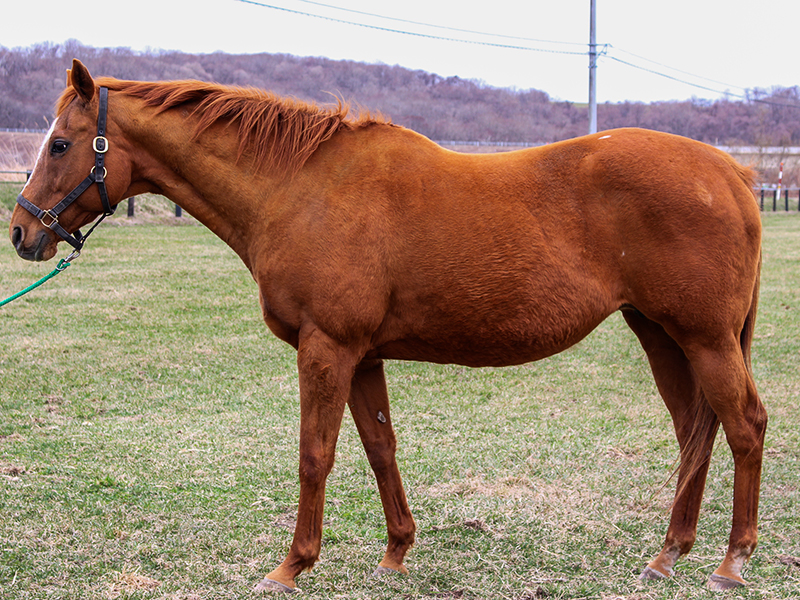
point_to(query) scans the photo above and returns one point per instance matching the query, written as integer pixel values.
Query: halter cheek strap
(49, 217)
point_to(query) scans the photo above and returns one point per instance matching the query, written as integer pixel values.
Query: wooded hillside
(441, 108)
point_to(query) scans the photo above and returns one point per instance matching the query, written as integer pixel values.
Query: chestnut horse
(369, 242)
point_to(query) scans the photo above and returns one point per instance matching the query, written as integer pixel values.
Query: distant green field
(149, 435)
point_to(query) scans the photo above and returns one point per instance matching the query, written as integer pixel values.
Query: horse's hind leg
(695, 427)
(369, 405)
(730, 390)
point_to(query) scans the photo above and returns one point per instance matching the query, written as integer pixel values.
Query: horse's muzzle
(35, 251)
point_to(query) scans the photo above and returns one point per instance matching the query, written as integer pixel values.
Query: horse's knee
(314, 468)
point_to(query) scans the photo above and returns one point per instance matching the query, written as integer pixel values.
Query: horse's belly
(493, 341)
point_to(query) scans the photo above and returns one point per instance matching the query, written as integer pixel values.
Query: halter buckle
(54, 219)
(100, 144)
(105, 172)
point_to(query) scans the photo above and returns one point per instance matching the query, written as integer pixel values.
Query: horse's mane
(281, 132)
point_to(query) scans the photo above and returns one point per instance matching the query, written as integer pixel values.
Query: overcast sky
(717, 45)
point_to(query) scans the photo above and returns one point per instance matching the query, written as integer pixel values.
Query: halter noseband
(49, 217)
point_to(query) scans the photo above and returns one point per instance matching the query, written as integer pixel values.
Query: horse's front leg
(326, 371)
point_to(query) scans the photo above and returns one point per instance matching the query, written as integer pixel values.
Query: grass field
(149, 433)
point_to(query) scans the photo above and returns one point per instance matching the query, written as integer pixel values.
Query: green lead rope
(61, 266)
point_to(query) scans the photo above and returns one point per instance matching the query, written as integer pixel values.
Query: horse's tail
(696, 451)
(746, 336)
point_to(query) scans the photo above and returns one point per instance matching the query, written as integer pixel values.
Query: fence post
(131, 202)
(178, 211)
(774, 200)
(786, 195)
(28, 175)
(762, 199)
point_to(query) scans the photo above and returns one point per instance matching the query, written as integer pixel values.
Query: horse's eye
(59, 147)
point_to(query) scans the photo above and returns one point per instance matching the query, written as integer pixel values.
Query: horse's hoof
(650, 574)
(720, 583)
(270, 585)
(381, 571)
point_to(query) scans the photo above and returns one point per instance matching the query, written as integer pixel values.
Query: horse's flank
(281, 132)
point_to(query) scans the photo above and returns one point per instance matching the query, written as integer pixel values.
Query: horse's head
(77, 175)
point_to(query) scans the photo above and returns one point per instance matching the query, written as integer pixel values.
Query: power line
(666, 76)
(604, 52)
(703, 87)
(444, 27)
(411, 33)
(674, 69)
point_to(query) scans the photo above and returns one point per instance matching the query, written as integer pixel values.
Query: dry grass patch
(11, 471)
(126, 583)
(507, 487)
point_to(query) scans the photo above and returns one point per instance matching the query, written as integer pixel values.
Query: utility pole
(592, 67)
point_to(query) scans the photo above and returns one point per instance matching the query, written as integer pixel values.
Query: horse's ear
(80, 79)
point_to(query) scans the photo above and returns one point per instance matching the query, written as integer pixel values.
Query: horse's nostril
(16, 236)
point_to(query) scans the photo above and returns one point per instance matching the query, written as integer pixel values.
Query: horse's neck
(202, 176)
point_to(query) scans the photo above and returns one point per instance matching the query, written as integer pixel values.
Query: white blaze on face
(43, 149)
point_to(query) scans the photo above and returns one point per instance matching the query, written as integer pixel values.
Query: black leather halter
(49, 217)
